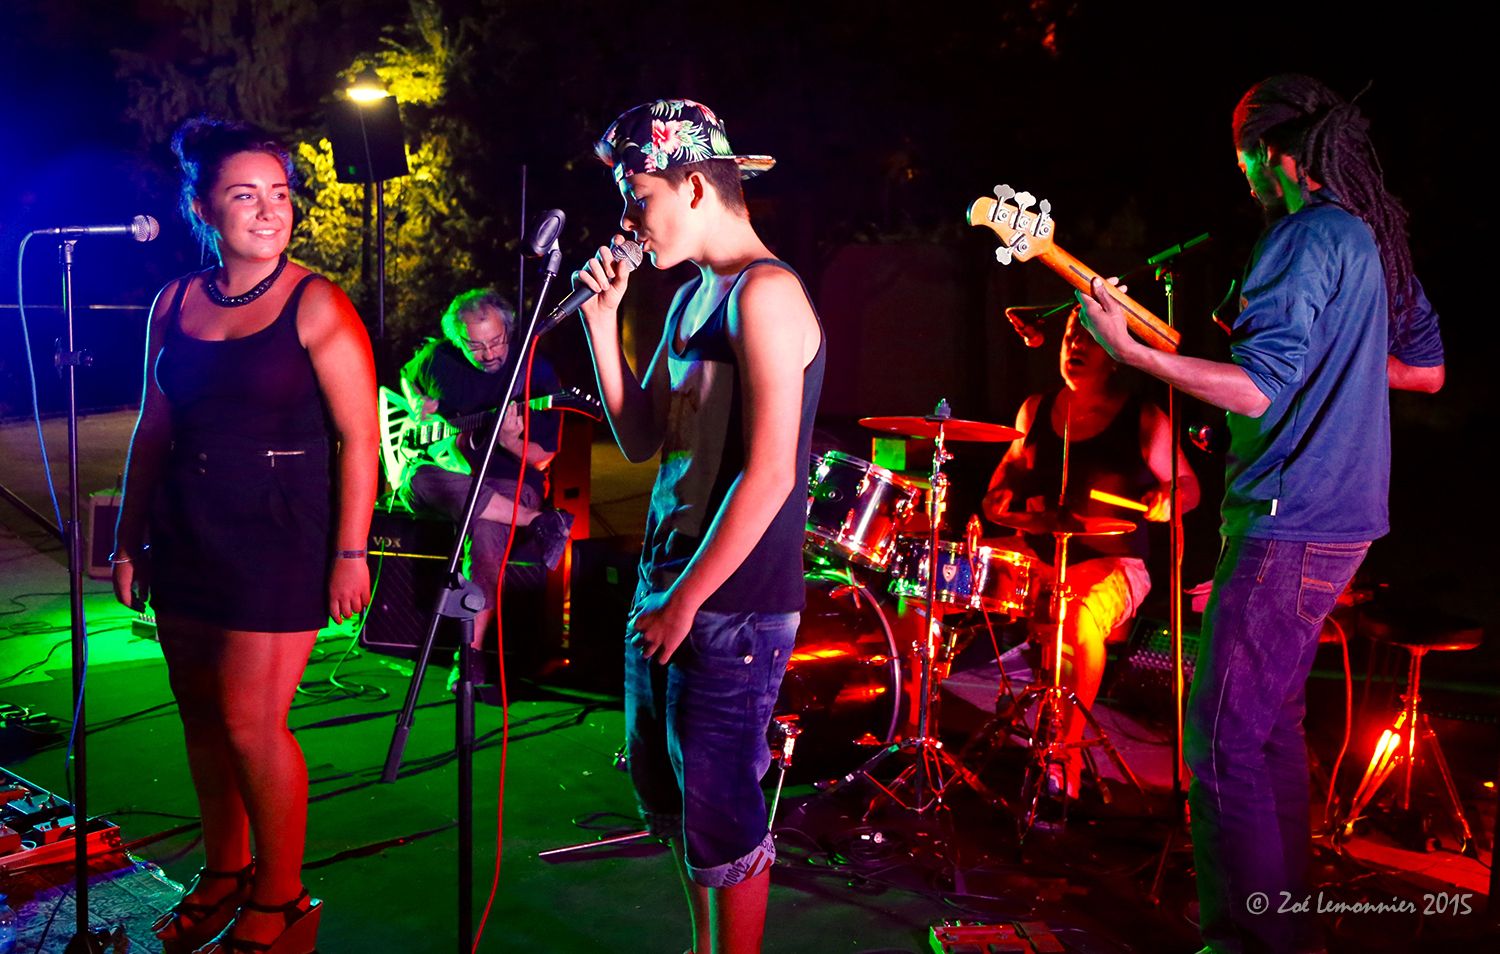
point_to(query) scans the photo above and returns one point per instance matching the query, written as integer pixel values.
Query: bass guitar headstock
(1024, 232)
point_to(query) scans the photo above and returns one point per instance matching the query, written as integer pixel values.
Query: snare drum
(955, 583)
(1007, 582)
(855, 508)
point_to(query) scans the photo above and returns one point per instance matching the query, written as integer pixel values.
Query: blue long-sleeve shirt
(1313, 337)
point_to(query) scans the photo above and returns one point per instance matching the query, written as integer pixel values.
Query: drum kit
(847, 669)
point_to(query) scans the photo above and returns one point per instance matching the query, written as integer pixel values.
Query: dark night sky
(1125, 129)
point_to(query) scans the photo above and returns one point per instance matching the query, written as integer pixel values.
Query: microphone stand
(68, 359)
(1179, 793)
(460, 599)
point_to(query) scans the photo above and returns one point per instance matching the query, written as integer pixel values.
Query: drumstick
(1110, 498)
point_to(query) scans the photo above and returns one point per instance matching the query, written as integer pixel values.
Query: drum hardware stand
(933, 770)
(788, 729)
(460, 599)
(1046, 748)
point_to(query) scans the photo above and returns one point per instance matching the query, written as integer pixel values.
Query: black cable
(21, 607)
(36, 665)
(42, 944)
(147, 811)
(352, 690)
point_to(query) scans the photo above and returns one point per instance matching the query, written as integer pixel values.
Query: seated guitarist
(466, 371)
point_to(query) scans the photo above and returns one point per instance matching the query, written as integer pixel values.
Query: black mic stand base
(461, 599)
(98, 942)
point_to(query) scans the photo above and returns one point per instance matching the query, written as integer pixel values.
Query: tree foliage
(430, 230)
(262, 61)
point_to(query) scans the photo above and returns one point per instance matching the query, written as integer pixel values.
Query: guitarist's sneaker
(550, 529)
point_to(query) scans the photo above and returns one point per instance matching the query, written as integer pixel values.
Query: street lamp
(367, 87)
(369, 146)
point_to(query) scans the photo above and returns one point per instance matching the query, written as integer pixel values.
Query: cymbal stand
(932, 772)
(1047, 747)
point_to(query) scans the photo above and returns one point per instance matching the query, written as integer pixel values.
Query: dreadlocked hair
(1329, 140)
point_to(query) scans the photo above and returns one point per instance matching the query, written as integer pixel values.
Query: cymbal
(1063, 522)
(953, 428)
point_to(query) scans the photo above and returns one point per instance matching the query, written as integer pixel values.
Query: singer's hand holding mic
(606, 276)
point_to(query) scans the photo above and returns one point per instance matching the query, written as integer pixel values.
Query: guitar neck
(437, 429)
(1149, 328)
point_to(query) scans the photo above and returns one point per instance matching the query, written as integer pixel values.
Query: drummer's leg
(1102, 599)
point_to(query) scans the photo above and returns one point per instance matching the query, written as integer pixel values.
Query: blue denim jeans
(1243, 738)
(696, 738)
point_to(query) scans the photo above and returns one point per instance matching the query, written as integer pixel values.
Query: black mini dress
(240, 523)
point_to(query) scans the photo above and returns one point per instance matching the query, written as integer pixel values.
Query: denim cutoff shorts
(696, 739)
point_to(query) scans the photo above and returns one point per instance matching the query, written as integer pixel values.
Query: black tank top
(704, 453)
(1110, 461)
(258, 388)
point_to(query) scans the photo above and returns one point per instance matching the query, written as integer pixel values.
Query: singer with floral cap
(728, 401)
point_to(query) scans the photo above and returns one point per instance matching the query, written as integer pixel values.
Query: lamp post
(369, 147)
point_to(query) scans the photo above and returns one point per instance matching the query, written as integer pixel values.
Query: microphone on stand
(1030, 335)
(1030, 331)
(142, 228)
(541, 238)
(622, 250)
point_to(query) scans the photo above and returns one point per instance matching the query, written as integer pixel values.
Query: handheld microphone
(623, 250)
(142, 228)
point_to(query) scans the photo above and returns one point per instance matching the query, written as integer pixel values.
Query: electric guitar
(409, 439)
(1026, 234)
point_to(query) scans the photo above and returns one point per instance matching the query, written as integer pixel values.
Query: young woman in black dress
(252, 474)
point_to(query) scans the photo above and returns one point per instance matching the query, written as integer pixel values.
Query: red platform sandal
(299, 936)
(184, 928)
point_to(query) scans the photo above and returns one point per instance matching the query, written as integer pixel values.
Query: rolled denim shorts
(696, 739)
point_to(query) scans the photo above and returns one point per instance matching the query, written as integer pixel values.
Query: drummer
(1121, 444)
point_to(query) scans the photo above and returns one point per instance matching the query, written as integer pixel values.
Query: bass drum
(843, 682)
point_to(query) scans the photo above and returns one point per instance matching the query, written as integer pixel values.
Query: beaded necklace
(235, 301)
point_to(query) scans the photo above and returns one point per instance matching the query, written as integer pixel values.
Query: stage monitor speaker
(104, 510)
(603, 588)
(369, 144)
(408, 554)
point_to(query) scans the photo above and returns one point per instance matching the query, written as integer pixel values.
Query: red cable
(510, 540)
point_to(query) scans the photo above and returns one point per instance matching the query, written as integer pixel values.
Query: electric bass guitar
(408, 438)
(1026, 234)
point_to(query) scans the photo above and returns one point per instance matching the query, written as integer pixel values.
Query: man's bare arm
(1220, 383)
(1013, 464)
(1157, 450)
(1406, 377)
(511, 433)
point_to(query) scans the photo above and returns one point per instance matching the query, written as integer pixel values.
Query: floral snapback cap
(669, 132)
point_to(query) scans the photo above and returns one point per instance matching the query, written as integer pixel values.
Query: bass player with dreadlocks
(1331, 316)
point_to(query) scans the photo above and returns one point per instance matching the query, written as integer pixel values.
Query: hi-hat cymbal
(953, 428)
(1063, 522)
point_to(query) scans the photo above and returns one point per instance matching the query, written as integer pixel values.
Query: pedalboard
(1017, 937)
(37, 828)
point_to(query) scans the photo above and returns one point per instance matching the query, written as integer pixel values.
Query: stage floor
(383, 857)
